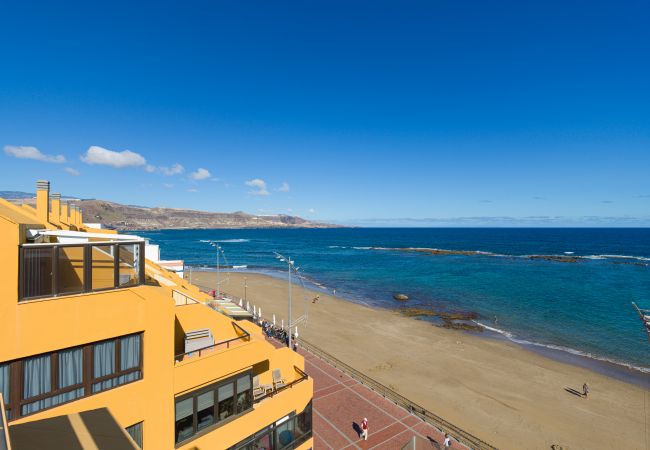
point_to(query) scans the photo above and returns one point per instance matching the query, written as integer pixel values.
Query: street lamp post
(290, 267)
(219, 250)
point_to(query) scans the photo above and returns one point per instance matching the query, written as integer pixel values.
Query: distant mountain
(19, 195)
(15, 195)
(129, 217)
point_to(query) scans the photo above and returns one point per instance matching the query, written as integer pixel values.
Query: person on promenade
(447, 442)
(585, 390)
(316, 299)
(364, 429)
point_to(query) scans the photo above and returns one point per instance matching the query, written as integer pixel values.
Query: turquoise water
(579, 307)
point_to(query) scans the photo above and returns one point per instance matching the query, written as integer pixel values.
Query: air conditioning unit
(198, 339)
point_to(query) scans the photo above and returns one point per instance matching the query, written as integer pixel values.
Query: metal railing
(181, 299)
(302, 377)
(222, 345)
(441, 424)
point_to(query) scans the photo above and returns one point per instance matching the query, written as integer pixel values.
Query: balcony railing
(181, 299)
(302, 376)
(222, 345)
(51, 270)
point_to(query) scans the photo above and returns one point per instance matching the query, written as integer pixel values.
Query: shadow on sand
(574, 392)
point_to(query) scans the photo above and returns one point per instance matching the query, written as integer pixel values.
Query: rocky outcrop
(401, 297)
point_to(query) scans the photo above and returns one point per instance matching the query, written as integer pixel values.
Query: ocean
(564, 291)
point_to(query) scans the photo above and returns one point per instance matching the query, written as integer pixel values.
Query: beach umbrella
(254, 311)
(248, 306)
(296, 334)
(241, 303)
(259, 311)
(273, 319)
(283, 324)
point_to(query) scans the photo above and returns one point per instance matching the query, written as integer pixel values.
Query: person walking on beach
(447, 442)
(585, 391)
(364, 429)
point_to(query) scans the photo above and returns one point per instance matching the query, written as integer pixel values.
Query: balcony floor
(340, 401)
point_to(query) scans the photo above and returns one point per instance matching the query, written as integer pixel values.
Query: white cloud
(200, 174)
(312, 210)
(27, 152)
(176, 169)
(71, 171)
(103, 156)
(284, 187)
(168, 185)
(192, 190)
(149, 168)
(259, 187)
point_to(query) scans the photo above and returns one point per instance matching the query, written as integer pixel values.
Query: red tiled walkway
(340, 402)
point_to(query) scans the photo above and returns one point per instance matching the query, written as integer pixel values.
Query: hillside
(130, 217)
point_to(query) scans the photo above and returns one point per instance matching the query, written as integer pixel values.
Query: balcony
(242, 337)
(52, 270)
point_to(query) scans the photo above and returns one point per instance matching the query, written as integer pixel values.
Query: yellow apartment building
(101, 348)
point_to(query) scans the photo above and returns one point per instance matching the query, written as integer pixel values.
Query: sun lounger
(278, 381)
(260, 390)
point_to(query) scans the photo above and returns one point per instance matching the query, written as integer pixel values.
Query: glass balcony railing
(51, 270)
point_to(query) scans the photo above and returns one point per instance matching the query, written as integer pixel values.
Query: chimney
(65, 213)
(73, 215)
(43, 200)
(56, 207)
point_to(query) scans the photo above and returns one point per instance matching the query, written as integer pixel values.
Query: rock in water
(401, 297)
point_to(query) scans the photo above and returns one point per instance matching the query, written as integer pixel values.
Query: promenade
(340, 404)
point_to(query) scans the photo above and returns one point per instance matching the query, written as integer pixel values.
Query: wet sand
(502, 393)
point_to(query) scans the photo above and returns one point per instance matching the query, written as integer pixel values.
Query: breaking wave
(511, 337)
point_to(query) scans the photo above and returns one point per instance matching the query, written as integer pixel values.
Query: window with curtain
(105, 362)
(226, 401)
(205, 410)
(211, 405)
(37, 380)
(4, 385)
(58, 377)
(104, 365)
(244, 393)
(130, 357)
(289, 433)
(135, 431)
(184, 419)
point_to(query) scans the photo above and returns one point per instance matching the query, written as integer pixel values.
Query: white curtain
(4, 381)
(130, 352)
(37, 381)
(70, 372)
(104, 364)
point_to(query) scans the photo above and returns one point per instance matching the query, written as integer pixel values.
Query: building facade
(90, 324)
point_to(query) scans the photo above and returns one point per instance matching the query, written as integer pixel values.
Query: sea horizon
(501, 274)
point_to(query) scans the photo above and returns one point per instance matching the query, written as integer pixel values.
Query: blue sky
(398, 113)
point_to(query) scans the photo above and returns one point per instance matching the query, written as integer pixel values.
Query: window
(70, 268)
(48, 270)
(135, 431)
(129, 265)
(285, 434)
(212, 405)
(106, 362)
(59, 377)
(4, 386)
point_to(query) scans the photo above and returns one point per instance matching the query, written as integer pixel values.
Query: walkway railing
(457, 433)
(246, 337)
(302, 377)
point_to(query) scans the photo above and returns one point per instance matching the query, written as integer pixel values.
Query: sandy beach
(505, 394)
